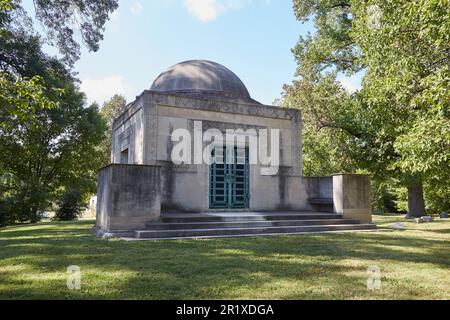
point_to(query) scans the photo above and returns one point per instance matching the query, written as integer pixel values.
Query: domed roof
(201, 77)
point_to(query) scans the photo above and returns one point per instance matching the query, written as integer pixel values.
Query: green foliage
(6, 5)
(21, 99)
(385, 199)
(6, 212)
(321, 99)
(397, 127)
(48, 139)
(66, 21)
(110, 111)
(437, 193)
(45, 145)
(113, 108)
(407, 51)
(331, 46)
(71, 206)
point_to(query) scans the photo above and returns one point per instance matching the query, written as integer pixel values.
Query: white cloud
(101, 90)
(136, 8)
(208, 10)
(205, 10)
(350, 84)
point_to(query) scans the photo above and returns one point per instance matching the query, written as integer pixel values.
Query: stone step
(216, 232)
(255, 235)
(243, 216)
(246, 224)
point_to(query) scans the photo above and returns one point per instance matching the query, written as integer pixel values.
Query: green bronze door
(229, 179)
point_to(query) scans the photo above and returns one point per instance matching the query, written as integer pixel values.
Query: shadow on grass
(441, 231)
(33, 262)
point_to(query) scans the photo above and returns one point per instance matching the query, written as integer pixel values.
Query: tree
(48, 139)
(324, 149)
(110, 111)
(407, 53)
(397, 126)
(65, 21)
(71, 205)
(20, 101)
(50, 148)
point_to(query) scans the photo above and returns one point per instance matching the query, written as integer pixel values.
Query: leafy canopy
(397, 126)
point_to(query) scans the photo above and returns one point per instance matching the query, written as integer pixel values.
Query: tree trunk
(416, 204)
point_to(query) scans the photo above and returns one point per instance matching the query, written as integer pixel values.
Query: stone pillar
(128, 196)
(351, 196)
(150, 116)
(296, 142)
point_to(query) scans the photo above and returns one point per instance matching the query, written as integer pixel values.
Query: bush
(6, 215)
(384, 198)
(20, 202)
(437, 195)
(70, 206)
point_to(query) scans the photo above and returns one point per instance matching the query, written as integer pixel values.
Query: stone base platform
(241, 224)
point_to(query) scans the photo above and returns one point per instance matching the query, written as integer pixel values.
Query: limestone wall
(351, 196)
(131, 195)
(128, 134)
(186, 187)
(128, 196)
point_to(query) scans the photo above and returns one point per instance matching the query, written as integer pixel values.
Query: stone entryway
(229, 179)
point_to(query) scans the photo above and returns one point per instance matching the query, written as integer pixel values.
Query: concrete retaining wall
(351, 196)
(128, 197)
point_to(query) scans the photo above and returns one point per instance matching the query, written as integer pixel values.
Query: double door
(229, 179)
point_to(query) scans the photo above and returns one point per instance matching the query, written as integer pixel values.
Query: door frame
(229, 179)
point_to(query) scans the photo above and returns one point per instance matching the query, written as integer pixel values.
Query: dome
(201, 77)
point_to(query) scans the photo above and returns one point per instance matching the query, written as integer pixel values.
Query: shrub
(6, 214)
(70, 206)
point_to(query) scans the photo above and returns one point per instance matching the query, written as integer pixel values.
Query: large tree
(66, 21)
(397, 126)
(406, 46)
(48, 139)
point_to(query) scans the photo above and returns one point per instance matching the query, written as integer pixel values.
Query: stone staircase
(244, 224)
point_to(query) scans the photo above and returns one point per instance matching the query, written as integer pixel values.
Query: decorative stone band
(351, 196)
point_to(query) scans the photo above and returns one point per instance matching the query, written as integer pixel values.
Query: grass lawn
(414, 264)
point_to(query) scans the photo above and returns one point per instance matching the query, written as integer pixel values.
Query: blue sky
(253, 38)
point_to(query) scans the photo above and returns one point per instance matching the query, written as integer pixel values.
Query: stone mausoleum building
(145, 194)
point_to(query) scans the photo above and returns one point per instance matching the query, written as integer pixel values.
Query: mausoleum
(196, 156)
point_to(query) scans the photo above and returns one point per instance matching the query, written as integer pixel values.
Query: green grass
(414, 264)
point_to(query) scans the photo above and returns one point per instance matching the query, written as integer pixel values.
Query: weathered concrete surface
(351, 196)
(320, 193)
(128, 197)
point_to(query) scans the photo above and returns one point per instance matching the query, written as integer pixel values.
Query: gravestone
(398, 225)
(418, 220)
(424, 219)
